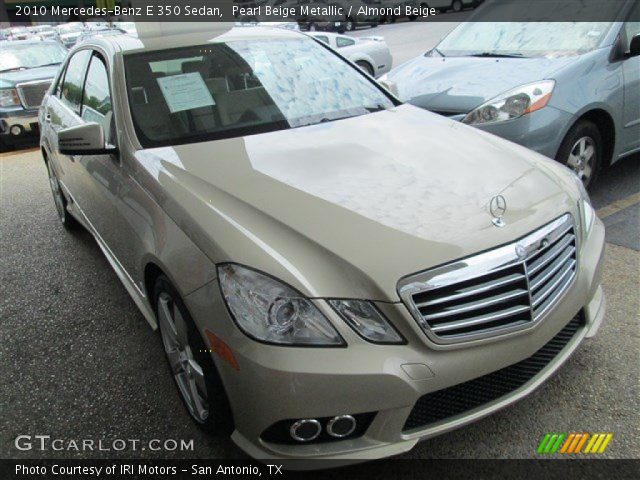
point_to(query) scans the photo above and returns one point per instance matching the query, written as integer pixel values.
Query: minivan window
(223, 90)
(526, 39)
(96, 100)
(73, 80)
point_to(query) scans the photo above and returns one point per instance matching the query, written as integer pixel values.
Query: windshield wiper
(48, 64)
(14, 69)
(435, 49)
(377, 108)
(497, 55)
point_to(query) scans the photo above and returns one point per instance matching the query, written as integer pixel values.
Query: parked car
(128, 27)
(99, 32)
(18, 33)
(69, 33)
(371, 54)
(44, 32)
(26, 71)
(333, 274)
(567, 90)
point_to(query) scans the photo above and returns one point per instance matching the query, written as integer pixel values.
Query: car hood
(460, 84)
(8, 79)
(347, 208)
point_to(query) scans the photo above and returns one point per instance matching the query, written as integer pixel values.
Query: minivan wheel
(365, 66)
(456, 5)
(581, 151)
(59, 200)
(190, 363)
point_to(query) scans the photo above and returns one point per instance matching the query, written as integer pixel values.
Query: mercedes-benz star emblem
(498, 207)
(521, 252)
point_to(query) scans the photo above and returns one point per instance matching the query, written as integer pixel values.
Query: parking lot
(81, 362)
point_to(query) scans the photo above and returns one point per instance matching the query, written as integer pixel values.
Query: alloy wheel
(187, 372)
(582, 158)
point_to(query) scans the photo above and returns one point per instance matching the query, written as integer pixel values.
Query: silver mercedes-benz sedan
(333, 274)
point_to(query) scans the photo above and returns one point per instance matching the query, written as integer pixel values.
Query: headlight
(366, 320)
(9, 97)
(584, 204)
(512, 104)
(270, 311)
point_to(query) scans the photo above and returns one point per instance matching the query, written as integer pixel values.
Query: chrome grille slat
(557, 280)
(552, 269)
(498, 291)
(482, 288)
(496, 299)
(553, 252)
(480, 320)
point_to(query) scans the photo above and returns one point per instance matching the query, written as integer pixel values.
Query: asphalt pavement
(80, 362)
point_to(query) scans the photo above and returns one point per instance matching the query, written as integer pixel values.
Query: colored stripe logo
(574, 443)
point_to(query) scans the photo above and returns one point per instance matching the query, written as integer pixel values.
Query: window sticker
(185, 92)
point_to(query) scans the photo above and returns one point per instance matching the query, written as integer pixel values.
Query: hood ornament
(497, 207)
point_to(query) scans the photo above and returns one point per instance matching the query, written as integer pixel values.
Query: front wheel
(581, 151)
(457, 6)
(189, 361)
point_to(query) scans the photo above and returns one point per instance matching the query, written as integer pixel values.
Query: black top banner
(369, 11)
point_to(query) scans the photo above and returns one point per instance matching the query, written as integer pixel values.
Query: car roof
(221, 33)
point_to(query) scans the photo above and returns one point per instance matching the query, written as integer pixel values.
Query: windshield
(223, 90)
(526, 39)
(31, 56)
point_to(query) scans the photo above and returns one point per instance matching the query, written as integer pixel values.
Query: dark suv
(26, 71)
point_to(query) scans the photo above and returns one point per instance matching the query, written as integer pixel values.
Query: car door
(631, 73)
(111, 200)
(62, 111)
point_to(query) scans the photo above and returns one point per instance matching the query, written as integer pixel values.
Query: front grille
(497, 291)
(31, 94)
(449, 402)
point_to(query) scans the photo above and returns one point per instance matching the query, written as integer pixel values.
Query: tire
(581, 151)
(60, 201)
(457, 6)
(365, 66)
(191, 362)
(351, 24)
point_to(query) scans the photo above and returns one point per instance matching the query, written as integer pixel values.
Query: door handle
(47, 118)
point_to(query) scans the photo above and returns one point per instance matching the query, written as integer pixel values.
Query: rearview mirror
(634, 46)
(389, 85)
(85, 139)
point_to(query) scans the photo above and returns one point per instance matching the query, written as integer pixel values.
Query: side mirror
(85, 139)
(634, 46)
(389, 85)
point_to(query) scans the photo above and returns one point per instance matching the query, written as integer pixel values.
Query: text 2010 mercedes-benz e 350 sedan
(337, 273)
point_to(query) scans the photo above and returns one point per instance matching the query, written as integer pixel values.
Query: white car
(371, 54)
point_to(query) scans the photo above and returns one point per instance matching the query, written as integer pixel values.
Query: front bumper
(541, 131)
(277, 383)
(24, 121)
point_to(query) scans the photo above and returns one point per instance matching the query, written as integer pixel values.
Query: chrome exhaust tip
(305, 430)
(341, 426)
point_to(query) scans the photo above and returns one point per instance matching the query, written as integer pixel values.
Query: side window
(323, 39)
(96, 100)
(73, 80)
(631, 29)
(344, 42)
